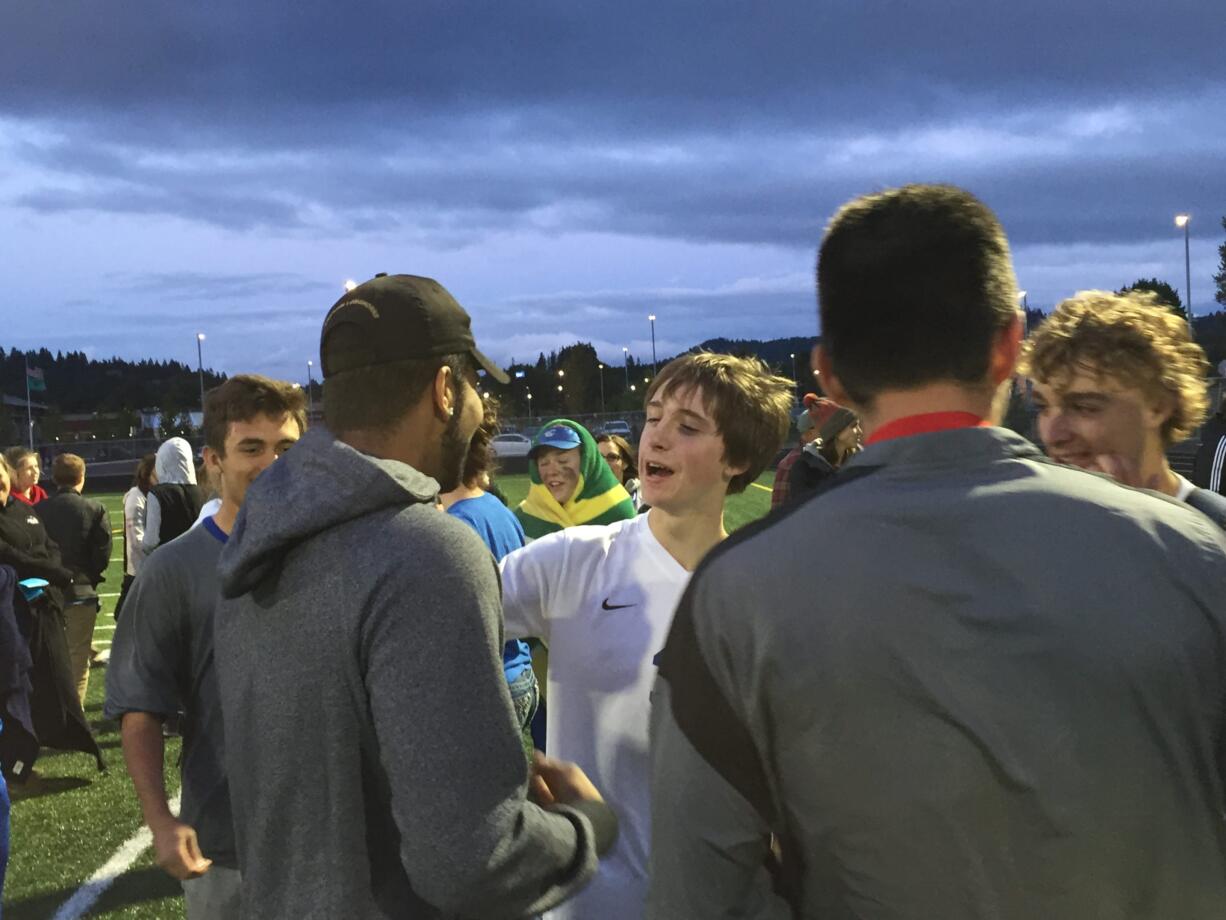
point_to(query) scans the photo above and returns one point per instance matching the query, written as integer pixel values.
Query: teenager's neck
(690, 535)
(447, 499)
(225, 517)
(1156, 469)
(893, 405)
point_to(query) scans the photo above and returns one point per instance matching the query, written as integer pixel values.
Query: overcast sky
(566, 168)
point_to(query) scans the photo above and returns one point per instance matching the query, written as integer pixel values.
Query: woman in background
(134, 501)
(618, 453)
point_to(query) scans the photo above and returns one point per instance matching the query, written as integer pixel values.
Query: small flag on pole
(34, 379)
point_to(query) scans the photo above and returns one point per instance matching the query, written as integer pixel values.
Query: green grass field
(73, 819)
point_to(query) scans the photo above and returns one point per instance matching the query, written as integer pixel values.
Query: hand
(561, 782)
(177, 850)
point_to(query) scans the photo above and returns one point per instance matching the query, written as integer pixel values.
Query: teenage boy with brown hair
(602, 597)
(163, 657)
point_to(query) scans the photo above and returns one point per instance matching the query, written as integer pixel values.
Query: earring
(450, 411)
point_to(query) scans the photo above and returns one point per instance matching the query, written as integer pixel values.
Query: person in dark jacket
(174, 503)
(58, 719)
(837, 439)
(82, 530)
(1211, 457)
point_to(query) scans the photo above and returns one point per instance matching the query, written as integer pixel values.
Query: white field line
(104, 627)
(119, 863)
(758, 485)
(102, 643)
(112, 594)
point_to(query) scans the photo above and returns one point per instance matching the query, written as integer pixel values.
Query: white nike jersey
(602, 599)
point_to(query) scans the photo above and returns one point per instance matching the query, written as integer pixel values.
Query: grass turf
(70, 823)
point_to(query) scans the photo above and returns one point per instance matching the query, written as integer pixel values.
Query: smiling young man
(162, 659)
(602, 597)
(1118, 381)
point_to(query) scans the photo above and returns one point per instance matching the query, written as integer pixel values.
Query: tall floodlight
(600, 367)
(652, 319)
(1183, 220)
(310, 387)
(200, 371)
(626, 364)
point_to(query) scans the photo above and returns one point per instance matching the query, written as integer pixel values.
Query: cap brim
(490, 367)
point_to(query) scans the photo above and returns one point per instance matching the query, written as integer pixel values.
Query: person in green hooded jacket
(571, 483)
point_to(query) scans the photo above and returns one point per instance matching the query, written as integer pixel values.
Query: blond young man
(1117, 382)
(602, 597)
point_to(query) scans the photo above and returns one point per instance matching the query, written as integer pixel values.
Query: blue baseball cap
(562, 437)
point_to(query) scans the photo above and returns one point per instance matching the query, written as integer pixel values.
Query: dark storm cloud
(708, 121)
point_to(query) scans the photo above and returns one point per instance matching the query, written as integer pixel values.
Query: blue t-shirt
(502, 533)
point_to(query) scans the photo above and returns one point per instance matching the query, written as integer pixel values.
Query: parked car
(511, 445)
(617, 426)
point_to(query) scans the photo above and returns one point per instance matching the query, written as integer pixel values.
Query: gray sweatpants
(213, 896)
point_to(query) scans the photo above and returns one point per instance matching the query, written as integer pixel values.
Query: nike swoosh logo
(605, 605)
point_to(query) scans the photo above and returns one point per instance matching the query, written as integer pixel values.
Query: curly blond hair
(1131, 337)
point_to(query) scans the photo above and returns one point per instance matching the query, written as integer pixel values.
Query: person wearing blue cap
(602, 598)
(571, 483)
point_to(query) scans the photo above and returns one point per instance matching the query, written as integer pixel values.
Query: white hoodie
(174, 465)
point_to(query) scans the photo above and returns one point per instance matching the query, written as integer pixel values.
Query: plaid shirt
(783, 472)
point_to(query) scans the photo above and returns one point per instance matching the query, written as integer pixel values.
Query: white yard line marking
(112, 594)
(119, 863)
(757, 485)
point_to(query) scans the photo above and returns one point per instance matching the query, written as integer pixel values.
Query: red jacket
(37, 494)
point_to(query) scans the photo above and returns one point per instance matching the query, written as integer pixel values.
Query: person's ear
(1006, 348)
(443, 394)
(212, 461)
(1158, 411)
(831, 385)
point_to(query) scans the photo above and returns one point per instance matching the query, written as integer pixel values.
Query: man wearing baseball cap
(376, 769)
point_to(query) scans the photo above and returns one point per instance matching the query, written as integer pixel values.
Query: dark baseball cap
(397, 318)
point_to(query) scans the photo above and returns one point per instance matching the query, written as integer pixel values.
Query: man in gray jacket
(991, 686)
(372, 750)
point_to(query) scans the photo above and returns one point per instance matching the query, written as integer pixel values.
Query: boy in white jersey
(602, 598)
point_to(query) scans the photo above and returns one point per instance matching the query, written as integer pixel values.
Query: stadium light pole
(626, 364)
(200, 371)
(529, 405)
(652, 319)
(601, 369)
(1183, 220)
(310, 387)
(792, 355)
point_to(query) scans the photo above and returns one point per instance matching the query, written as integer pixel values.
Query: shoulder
(191, 553)
(1210, 504)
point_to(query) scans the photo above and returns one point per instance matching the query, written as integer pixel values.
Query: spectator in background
(817, 409)
(838, 439)
(500, 530)
(55, 706)
(1117, 382)
(618, 453)
(210, 492)
(162, 659)
(134, 501)
(82, 529)
(1211, 456)
(570, 482)
(26, 472)
(175, 501)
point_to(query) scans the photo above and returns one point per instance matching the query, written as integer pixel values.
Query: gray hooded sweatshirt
(374, 759)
